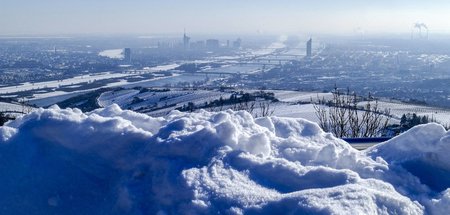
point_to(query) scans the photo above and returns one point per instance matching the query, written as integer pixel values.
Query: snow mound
(113, 161)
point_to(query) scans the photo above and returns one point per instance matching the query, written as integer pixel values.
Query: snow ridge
(113, 161)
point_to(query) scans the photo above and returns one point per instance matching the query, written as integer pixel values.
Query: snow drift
(112, 161)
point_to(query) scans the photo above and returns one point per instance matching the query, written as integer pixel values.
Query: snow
(114, 161)
(297, 96)
(76, 82)
(118, 97)
(15, 109)
(423, 152)
(305, 111)
(171, 99)
(162, 67)
(397, 109)
(61, 83)
(10, 107)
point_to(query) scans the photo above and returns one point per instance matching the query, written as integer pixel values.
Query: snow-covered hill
(159, 102)
(291, 103)
(15, 109)
(112, 161)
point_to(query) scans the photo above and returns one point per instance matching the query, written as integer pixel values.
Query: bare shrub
(344, 118)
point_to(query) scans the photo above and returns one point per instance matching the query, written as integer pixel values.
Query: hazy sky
(220, 16)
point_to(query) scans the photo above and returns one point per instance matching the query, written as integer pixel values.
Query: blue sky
(219, 16)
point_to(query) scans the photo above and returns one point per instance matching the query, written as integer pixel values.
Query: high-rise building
(212, 44)
(309, 48)
(186, 40)
(197, 45)
(127, 55)
(237, 43)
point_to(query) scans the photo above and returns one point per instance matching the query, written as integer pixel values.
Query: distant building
(186, 41)
(197, 45)
(309, 48)
(127, 55)
(165, 45)
(237, 43)
(212, 44)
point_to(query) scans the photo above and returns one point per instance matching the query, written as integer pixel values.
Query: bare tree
(344, 118)
(26, 108)
(246, 105)
(264, 110)
(247, 102)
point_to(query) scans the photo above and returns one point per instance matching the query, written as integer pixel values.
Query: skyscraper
(237, 43)
(309, 48)
(127, 55)
(212, 44)
(185, 40)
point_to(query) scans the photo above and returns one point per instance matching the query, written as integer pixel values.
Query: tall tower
(185, 40)
(309, 48)
(127, 55)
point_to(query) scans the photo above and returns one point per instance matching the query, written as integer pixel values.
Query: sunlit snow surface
(112, 161)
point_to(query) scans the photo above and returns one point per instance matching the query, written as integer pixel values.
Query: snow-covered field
(15, 109)
(305, 111)
(61, 83)
(398, 109)
(10, 107)
(78, 81)
(287, 107)
(112, 161)
(296, 96)
(161, 67)
(234, 69)
(172, 98)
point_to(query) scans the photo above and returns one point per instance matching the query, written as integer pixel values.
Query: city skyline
(51, 17)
